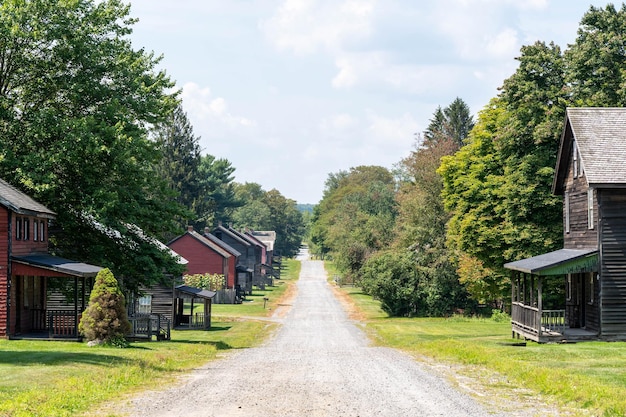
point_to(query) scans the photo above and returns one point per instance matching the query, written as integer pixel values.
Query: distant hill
(305, 207)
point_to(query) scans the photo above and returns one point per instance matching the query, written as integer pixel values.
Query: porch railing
(63, 323)
(530, 321)
(148, 325)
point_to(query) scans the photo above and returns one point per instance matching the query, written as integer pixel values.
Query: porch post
(539, 303)
(76, 306)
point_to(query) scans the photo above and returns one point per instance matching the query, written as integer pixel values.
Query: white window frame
(590, 214)
(567, 213)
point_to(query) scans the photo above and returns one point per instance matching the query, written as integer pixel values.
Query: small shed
(192, 308)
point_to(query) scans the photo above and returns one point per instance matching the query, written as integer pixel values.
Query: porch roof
(559, 262)
(49, 265)
(196, 292)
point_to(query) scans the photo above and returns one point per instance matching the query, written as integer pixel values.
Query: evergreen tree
(105, 317)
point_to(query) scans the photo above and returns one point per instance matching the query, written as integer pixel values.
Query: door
(575, 302)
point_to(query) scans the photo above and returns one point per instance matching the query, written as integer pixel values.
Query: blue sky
(292, 90)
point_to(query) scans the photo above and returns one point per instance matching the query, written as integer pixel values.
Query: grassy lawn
(585, 378)
(43, 378)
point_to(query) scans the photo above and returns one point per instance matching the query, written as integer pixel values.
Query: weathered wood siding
(613, 262)
(162, 300)
(4, 268)
(579, 235)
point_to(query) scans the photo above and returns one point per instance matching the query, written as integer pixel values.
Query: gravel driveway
(319, 363)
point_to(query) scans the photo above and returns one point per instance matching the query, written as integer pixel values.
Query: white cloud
(306, 26)
(201, 106)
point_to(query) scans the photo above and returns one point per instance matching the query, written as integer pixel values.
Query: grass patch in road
(588, 378)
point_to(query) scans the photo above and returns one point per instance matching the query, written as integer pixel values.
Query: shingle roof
(601, 137)
(20, 203)
(55, 263)
(558, 262)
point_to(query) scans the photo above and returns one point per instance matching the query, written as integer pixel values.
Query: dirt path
(318, 364)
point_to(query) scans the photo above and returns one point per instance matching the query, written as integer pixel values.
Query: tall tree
(355, 217)
(180, 164)
(75, 102)
(497, 186)
(453, 122)
(596, 61)
(217, 199)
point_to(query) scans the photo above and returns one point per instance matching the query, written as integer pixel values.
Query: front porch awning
(52, 266)
(559, 262)
(196, 292)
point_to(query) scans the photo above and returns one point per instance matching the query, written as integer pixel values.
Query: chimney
(190, 229)
(207, 230)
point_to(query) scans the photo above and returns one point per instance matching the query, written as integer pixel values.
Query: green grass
(43, 378)
(57, 379)
(589, 377)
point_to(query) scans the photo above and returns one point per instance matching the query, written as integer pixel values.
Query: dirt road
(318, 364)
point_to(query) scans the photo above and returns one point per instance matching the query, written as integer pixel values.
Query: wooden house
(268, 238)
(591, 176)
(249, 264)
(204, 255)
(41, 295)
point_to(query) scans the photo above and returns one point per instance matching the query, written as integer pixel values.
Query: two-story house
(591, 177)
(41, 295)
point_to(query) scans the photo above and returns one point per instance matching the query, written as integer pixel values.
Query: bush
(105, 318)
(499, 316)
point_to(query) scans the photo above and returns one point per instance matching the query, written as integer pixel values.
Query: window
(26, 233)
(144, 304)
(18, 228)
(590, 208)
(35, 230)
(575, 158)
(566, 209)
(42, 230)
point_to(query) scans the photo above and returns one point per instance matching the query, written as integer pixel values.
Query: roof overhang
(52, 266)
(559, 262)
(196, 292)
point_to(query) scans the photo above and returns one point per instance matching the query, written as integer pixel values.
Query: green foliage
(355, 218)
(270, 210)
(75, 102)
(105, 317)
(211, 282)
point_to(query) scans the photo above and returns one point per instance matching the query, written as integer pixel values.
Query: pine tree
(105, 318)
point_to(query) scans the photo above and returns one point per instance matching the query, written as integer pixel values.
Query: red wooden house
(207, 254)
(40, 295)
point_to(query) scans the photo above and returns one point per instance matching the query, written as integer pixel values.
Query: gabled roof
(600, 133)
(267, 237)
(20, 203)
(196, 292)
(233, 234)
(559, 262)
(204, 241)
(254, 240)
(223, 244)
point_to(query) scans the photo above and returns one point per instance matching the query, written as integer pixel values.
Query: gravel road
(319, 363)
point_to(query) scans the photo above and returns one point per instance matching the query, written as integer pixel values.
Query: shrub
(105, 318)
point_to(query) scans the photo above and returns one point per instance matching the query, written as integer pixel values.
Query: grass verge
(57, 379)
(582, 379)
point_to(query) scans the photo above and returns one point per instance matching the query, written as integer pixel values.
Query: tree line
(90, 128)
(431, 236)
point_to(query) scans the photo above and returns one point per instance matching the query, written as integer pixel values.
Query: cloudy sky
(292, 90)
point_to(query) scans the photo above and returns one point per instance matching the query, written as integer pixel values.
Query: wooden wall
(4, 265)
(613, 262)
(579, 236)
(202, 259)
